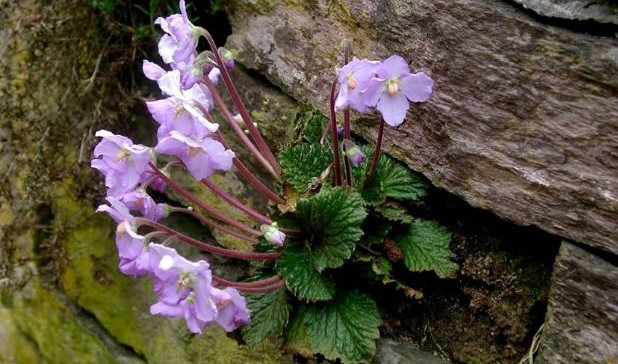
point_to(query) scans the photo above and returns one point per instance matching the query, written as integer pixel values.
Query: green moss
(121, 304)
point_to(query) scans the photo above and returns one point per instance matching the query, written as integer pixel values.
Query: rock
(581, 325)
(395, 352)
(600, 11)
(523, 117)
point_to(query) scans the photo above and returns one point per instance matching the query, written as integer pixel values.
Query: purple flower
(152, 70)
(394, 86)
(201, 156)
(353, 152)
(184, 288)
(134, 260)
(120, 161)
(272, 234)
(116, 210)
(353, 79)
(181, 111)
(180, 40)
(232, 308)
(131, 249)
(139, 200)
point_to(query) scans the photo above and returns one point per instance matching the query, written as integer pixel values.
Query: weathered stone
(601, 11)
(523, 117)
(581, 325)
(394, 352)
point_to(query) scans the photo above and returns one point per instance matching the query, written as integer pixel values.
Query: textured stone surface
(582, 319)
(523, 118)
(601, 11)
(393, 352)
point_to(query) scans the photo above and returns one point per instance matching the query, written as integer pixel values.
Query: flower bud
(227, 57)
(353, 152)
(272, 234)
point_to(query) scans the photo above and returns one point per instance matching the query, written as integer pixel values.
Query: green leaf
(381, 267)
(296, 337)
(425, 246)
(393, 214)
(333, 218)
(269, 315)
(302, 163)
(344, 328)
(296, 266)
(316, 122)
(395, 180)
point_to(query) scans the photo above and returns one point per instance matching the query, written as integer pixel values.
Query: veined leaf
(296, 266)
(345, 328)
(425, 245)
(395, 180)
(302, 163)
(394, 214)
(269, 315)
(333, 218)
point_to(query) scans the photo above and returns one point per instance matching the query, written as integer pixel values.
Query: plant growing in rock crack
(339, 211)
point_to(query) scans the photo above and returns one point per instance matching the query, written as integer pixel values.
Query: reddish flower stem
(238, 130)
(201, 204)
(347, 134)
(376, 153)
(251, 178)
(208, 247)
(206, 221)
(239, 205)
(240, 106)
(262, 283)
(264, 289)
(333, 130)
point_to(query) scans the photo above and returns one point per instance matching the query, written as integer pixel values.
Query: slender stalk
(206, 221)
(238, 130)
(239, 205)
(201, 204)
(251, 178)
(333, 130)
(240, 106)
(208, 247)
(264, 289)
(376, 153)
(261, 283)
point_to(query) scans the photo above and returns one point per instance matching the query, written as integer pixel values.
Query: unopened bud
(272, 234)
(355, 155)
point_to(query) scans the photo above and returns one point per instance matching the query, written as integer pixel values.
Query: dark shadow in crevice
(590, 27)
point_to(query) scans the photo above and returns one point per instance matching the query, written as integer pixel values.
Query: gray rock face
(393, 352)
(601, 11)
(523, 120)
(582, 319)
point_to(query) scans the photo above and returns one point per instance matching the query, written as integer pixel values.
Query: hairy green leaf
(296, 266)
(425, 245)
(296, 337)
(395, 180)
(393, 214)
(344, 328)
(333, 218)
(269, 315)
(302, 163)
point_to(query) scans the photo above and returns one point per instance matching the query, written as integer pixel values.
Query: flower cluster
(386, 85)
(187, 136)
